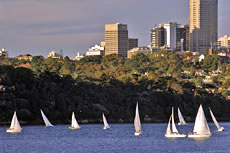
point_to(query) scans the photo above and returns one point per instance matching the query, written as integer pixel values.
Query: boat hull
(13, 131)
(181, 124)
(221, 129)
(138, 133)
(199, 135)
(74, 128)
(175, 135)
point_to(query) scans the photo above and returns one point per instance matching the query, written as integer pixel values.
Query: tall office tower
(116, 39)
(170, 28)
(133, 43)
(182, 37)
(158, 37)
(203, 22)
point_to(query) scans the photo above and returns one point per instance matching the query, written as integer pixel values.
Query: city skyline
(39, 27)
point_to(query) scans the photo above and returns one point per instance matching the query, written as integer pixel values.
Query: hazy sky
(39, 26)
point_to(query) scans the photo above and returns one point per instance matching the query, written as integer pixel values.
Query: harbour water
(118, 139)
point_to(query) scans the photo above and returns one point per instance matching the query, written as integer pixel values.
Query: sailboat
(47, 122)
(15, 125)
(74, 124)
(181, 118)
(106, 124)
(201, 128)
(219, 128)
(137, 123)
(174, 133)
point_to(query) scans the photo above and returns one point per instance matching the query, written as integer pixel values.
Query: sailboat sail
(174, 129)
(201, 126)
(214, 119)
(182, 121)
(137, 122)
(15, 125)
(13, 121)
(168, 131)
(74, 122)
(47, 122)
(106, 125)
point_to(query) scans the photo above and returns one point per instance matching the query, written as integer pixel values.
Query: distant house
(201, 57)
(53, 54)
(79, 57)
(26, 57)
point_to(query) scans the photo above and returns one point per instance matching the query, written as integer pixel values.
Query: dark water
(119, 139)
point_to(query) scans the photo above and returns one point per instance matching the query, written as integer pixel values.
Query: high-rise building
(158, 37)
(224, 42)
(203, 22)
(133, 43)
(116, 39)
(171, 28)
(182, 35)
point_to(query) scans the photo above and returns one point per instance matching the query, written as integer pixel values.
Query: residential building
(182, 36)
(53, 54)
(96, 50)
(139, 50)
(26, 57)
(4, 53)
(203, 24)
(224, 42)
(158, 37)
(133, 43)
(116, 39)
(79, 57)
(170, 28)
(102, 43)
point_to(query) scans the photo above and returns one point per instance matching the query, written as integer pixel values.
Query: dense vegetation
(113, 85)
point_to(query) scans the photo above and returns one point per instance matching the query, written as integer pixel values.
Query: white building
(96, 50)
(224, 41)
(79, 56)
(4, 53)
(171, 28)
(53, 54)
(201, 58)
(139, 50)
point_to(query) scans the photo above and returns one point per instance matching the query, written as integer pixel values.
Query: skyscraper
(203, 22)
(171, 28)
(116, 39)
(158, 37)
(133, 43)
(182, 38)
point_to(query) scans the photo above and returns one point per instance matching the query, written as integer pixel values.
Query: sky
(39, 26)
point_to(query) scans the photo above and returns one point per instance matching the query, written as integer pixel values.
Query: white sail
(214, 119)
(47, 122)
(168, 131)
(13, 121)
(15, 125)
(137, 122)
(201, 126)
(174, 129)
(74, 122)
(106, 125)
(181, 119)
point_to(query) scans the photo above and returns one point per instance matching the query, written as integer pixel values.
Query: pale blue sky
(38, 26)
